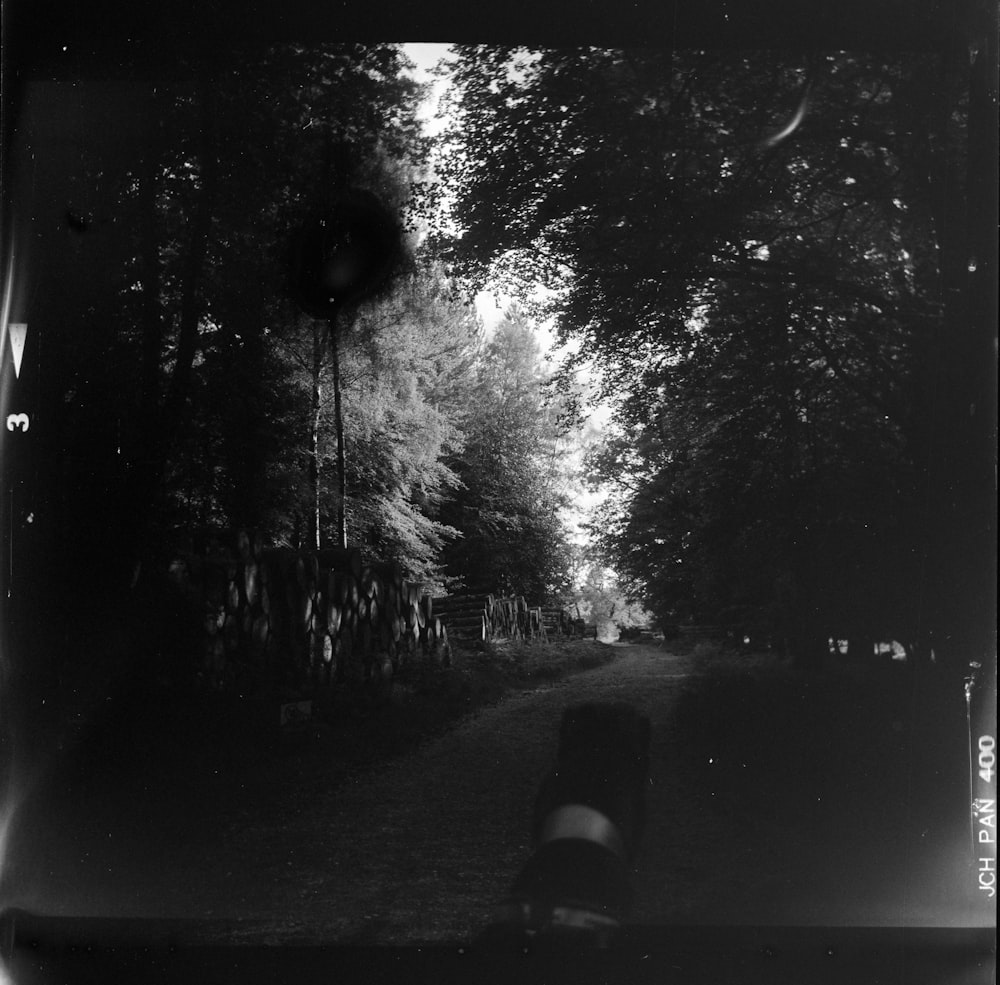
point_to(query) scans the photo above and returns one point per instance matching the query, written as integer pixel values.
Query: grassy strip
(427, 700)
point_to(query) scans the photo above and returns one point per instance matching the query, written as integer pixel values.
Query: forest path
(862, 824)
(420, 849)
(773, 798)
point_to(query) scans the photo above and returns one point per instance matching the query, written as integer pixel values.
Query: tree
(168, 384)
(407, 379)
(508, 508)
(235, 165)
(674, 232)
(764, 490)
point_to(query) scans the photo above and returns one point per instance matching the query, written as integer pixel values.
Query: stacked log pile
(489, 618)
(466, 616)
(508, 618)
(278, 616)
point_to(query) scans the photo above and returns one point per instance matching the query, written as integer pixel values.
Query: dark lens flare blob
(344, 255)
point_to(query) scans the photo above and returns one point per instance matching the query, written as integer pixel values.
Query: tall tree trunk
(314, 450)
(162, 417)
(800, 601)
(338, 422)
(143, 450)
(247, 502)
(150, 319)
(196, 250)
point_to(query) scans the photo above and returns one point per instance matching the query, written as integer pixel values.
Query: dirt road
(420, 849)
(769, 814)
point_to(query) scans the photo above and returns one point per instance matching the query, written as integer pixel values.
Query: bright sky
(426, 56)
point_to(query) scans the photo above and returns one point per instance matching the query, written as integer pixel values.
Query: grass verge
(351, 733)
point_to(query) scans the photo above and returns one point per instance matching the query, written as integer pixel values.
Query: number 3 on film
(18, 422)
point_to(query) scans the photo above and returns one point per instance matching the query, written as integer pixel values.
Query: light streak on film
(8, 299)
(791, 126)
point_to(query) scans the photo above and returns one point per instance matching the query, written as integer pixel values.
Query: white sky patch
(490, 307)
(426, 56)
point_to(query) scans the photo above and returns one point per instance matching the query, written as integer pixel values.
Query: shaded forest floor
(160, 772)
(837, 797)
(780, 797)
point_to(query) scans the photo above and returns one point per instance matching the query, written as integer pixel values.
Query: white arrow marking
(18, 333)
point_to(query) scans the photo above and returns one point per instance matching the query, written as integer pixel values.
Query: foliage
(753, 247)
(600, 600)
(197, 351)
(786, 500)
(509, 507)
(634, 182)
(408, 376)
